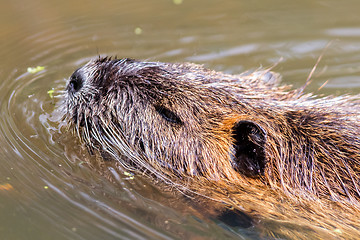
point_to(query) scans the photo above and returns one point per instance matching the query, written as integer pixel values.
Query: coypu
(185, 125)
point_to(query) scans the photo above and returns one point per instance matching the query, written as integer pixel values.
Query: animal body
(192, 127)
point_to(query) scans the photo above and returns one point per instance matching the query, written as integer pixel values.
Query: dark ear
(248, 155)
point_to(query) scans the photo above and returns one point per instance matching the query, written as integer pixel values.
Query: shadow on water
(48, 189)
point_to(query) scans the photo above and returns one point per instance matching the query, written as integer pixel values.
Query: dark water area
(47, 191)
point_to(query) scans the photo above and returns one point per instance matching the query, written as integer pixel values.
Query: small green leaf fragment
(46, 187)
(138, 31)
(50, 92)
(35, 69)
(177, 2)
(129, 175)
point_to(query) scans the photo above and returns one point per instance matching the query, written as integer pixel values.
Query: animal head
(181, 118)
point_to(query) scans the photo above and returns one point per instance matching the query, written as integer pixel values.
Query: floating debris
(35, 69)
(130, 175)
(6, 187)
(138, 31)
(50, 92)
(177, 2)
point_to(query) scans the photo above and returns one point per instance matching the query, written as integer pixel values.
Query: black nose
(76, 82)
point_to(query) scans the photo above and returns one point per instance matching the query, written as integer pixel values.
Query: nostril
(76, 82)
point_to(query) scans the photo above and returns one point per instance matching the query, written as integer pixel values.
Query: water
(51, 193)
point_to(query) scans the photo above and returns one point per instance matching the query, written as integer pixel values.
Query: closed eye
(168, 115)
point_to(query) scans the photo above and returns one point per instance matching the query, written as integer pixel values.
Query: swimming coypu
(182, 122)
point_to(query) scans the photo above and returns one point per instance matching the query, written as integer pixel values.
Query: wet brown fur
(180, 123)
